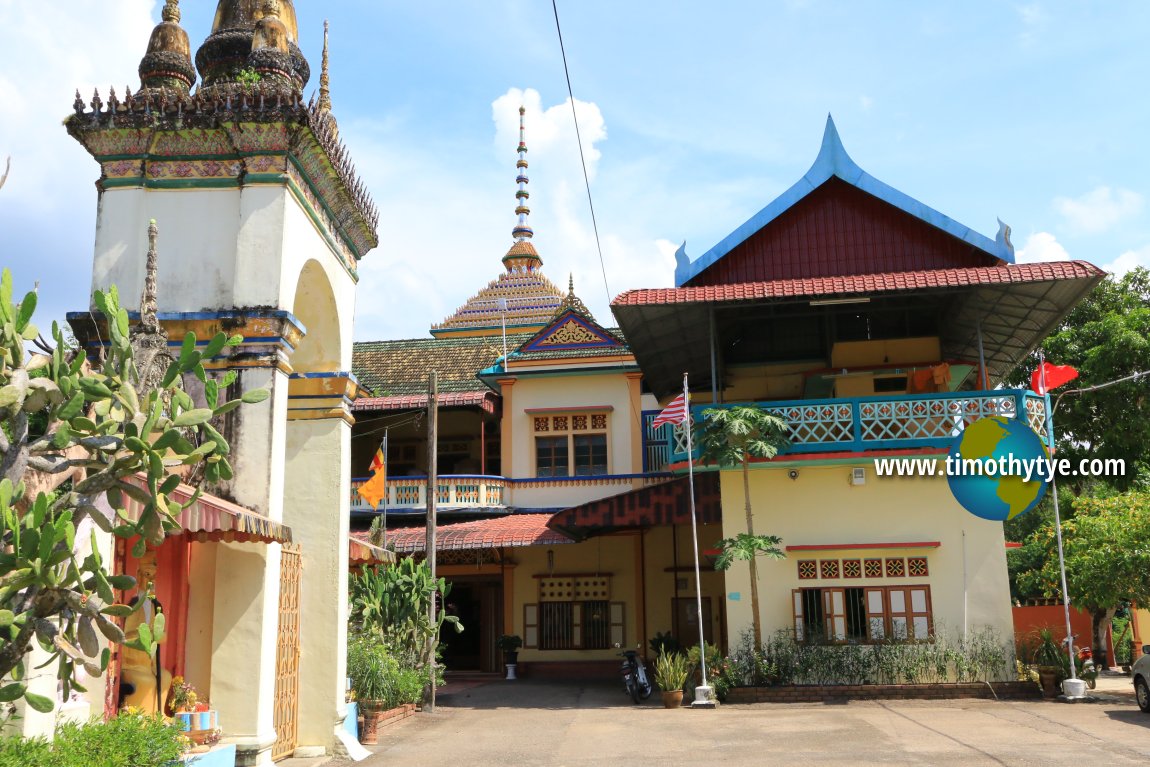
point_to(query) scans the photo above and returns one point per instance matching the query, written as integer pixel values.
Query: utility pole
(432, 490)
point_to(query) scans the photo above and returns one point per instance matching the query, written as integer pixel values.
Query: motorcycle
(1087, 671)
(635, 679)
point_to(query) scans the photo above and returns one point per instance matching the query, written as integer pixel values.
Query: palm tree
(731, 437)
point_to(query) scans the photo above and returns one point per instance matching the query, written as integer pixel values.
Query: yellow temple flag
(373, 490)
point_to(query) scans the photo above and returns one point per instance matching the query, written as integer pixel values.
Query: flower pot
(672, 698)
(1048, 678)
(369, 722)
(511, 657)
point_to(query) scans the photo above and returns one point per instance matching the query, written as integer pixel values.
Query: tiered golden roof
(531, 301)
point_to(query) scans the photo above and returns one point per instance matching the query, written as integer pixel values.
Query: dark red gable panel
(839, 230)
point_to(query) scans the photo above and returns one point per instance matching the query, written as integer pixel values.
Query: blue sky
(694, 116)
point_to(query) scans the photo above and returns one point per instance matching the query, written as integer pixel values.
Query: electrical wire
(582, 159)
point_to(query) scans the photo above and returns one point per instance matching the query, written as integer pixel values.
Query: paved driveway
(537, 723)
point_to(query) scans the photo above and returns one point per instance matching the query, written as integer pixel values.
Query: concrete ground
(531, 723)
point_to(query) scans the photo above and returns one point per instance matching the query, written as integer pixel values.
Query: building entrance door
(478, 603)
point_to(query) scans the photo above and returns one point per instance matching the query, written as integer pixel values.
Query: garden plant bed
(371, 722)
(820, 693)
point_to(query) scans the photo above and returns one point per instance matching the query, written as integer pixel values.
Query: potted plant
(367, 667)
(1050, 660)
(510, 644)
(671, 671)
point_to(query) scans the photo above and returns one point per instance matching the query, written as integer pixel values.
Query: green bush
(128, 740)
(982, 656)
(378, 676)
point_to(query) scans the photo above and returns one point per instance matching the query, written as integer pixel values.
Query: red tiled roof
(483, 399)
(862, 283)
(494, 533)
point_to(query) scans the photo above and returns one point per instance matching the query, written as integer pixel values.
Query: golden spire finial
(324, 77)
(171, 12)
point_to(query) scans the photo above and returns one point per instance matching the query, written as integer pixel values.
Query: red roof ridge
(862, 283)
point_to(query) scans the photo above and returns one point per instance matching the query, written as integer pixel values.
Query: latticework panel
(902, 419)
(285, 710)
(817, 424)
(1036, 415)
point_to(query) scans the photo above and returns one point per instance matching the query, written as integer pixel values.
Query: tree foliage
(121, 439)
(1107, 550)
(1106, 337)
(731, 436)
(745, 547)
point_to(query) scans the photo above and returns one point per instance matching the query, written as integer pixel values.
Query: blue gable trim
(606, 340)
(833, 160)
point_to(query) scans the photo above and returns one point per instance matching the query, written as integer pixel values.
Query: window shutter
(900, 627)
(531, 625)
(618, 635)
(835, 614)
(875, 614)
(920, 612)
(797, 609)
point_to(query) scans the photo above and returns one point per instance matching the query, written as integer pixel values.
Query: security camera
(793, 473)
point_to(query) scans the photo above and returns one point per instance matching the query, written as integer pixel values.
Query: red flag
(1048, 377)
(675, 412)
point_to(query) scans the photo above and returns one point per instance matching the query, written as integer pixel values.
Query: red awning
(511, 531)
(360, 552)
(485, 400)
(667, 503)
(213, 519)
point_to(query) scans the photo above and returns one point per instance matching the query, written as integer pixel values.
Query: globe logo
(1005, 449)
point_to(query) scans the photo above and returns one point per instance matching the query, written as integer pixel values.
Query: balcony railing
(859, 424)
(453, 491)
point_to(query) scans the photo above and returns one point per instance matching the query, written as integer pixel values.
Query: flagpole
(383, 515)
(703, 697)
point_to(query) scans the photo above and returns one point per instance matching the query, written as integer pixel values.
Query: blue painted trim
(605, 341)
(833, 160)
(441, 477)
(351, 721)
(336, 374)
(598, 477)
(857, 444)
(222, 314)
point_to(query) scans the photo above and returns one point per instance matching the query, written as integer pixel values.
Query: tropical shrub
(378, 677)
(128, 740)
(981, 657)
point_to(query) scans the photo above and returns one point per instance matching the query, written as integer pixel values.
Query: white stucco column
(316, 506)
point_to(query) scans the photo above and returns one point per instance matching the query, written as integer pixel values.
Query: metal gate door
(287, 655)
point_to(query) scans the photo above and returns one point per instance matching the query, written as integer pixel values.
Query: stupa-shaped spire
(522, 254)
(324, 77)
(168, 62)
(572, 302)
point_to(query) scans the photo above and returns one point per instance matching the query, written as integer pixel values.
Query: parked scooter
(1087, 671)
(635, 679)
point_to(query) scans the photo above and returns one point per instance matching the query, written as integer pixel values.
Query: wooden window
(571, 449)
(594, 624)
(916, 567)
(852, 568)
(590, 454)
(551, 459)
(530, 625)
(895, 567)
(829, 568)
(808, 569)
(870, 614)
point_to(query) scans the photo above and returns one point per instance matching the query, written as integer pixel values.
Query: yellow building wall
(624, 440)
(821, 507)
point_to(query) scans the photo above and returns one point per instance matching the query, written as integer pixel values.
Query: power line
(582, 159)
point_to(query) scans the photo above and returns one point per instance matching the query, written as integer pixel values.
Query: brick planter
(821, 693)
(372, 721)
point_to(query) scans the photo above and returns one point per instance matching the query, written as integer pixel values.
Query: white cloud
(1099, 209)
(1129, 260)
(48, 205)
(1041, 246)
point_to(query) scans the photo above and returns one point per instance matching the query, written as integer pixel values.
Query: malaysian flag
(675, 412)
